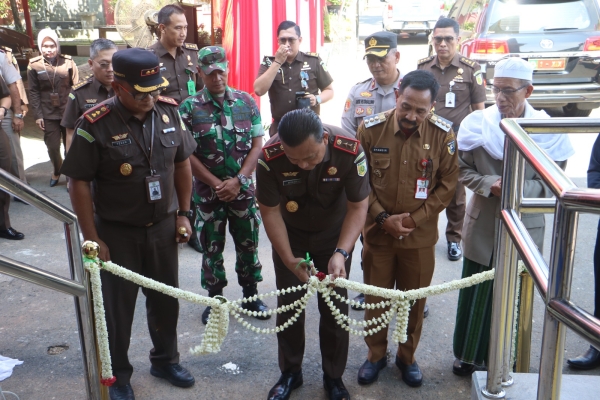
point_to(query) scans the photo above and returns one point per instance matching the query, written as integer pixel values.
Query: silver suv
(410, 16)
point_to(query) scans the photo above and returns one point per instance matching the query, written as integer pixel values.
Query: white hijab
(47, 33)
(481, 128)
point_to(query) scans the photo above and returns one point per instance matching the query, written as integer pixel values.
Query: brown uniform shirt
(105, 151)
(395, 166)
(468, 86)
(321, 193)
(44, 79)
(85, 95)
(287, 82)
(179, 70)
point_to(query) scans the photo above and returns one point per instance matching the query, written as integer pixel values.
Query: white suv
(411, 16)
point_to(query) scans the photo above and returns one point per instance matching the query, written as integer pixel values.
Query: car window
(516, 17)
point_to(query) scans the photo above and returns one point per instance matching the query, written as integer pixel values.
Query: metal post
(525, 328)
(559, 287)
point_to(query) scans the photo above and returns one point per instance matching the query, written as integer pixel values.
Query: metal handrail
(553, 283)
(78, 286)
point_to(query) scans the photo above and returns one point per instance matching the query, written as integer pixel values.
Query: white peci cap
(513, 67)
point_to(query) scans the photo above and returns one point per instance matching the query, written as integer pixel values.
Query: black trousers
(151, 252)
(5, 162)
(333, 339)
(597, 275)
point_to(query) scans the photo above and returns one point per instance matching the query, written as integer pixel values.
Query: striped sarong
(473, 317)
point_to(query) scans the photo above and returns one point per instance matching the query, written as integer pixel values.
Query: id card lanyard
(153, 189)
(450, 96)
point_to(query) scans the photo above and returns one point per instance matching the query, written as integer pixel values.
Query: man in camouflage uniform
(226, 125)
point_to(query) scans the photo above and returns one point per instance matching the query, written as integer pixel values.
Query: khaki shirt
(468, 86)
(314, 200)
(44, 78)
(85, 95)
(287, 82)
(179, 70)
(395, 166)
(366, 99)
(105, 151)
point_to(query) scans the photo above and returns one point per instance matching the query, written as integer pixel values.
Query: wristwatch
(342, 252)
(242, 178)
(20, 116)
(5, 111)
(188, 214)
(318, 99)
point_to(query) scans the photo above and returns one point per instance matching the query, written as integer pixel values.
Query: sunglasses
(440, 39)
(141, 96)
(287, 40)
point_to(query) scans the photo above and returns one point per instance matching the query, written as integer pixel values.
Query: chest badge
(460, 71)
(426, 146)
(377, 173)
(366, 94)
(165, 118)
(287, 174)
(126, 169)
(291, 206)
(332, 171)
(120, 137)
(91, 101)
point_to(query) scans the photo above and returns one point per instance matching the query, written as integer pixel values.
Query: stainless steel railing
(553, 282)
(77, 285)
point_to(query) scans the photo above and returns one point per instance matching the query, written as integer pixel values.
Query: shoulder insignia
(81, 84)
(94, 114)
(34, 59)
(346, 144)
(467, 61)
(440, 122)
(268, 60)
(66, 56)
(365, 81)
(273, 151)
(312, 54)
(191, 46)
(168, 100)
(374, 120)
(424, 60)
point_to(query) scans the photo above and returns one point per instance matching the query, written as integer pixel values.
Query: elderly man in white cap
(481, 150)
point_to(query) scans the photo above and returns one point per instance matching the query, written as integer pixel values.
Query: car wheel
(571, 110)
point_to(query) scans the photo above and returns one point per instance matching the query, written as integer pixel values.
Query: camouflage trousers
(244, 220)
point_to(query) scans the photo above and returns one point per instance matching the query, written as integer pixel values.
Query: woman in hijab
(50, 78)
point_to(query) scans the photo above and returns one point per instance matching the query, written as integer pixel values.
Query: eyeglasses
(103, 65)
(141, 96)
(447, 39)
(303, 79)
(291, 41)
(506, 92)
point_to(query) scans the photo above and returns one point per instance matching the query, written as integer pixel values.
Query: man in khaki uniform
(461, 92)
(413, 174)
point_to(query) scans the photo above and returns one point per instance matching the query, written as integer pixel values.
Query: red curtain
(312, 16)
(298, 7)
(109, 12)
(322, 19)
(279, 15)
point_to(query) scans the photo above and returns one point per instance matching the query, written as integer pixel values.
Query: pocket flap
(380, 162)
(472, 211)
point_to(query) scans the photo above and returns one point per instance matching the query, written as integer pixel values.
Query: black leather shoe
(11, 234)
(411, 374)
(335, 388)
(53, 182)
(369, 372)
(205, 315)
(194, 243)
(284, 386)
(426, 311)
(258, 306)
(360, 299)
(175, 374)
(121, 392)
(588, 360)
(454, 251)
(462, 368)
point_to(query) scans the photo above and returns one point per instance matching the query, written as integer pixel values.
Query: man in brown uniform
(6, 231)
(133, 150)
(461, 91)
(178, 60)
(312, 187)
(290, 75)
(50, 77)
(89, 92)
(414, 169)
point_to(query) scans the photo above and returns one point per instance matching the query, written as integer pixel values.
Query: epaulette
(424, 60)
(467, 61)
(312, 54)
(81, 84)
(191, 46)
(34, 59)
(94, 114)
(273, 151)
(66, 56)
(168, 100)
(365, 81)
(346, 144)
(440, 122)
(374, 120)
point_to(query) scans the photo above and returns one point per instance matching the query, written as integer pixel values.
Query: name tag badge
(153, 188)
(450, 99)
(380, 150)
(169, 130)
(421, 189)
(118, 143)
(288, 182)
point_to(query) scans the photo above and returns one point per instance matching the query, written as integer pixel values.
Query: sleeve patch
(85, 135)
(361, 168)
(264, 164)
(346, 144)
(360, 157)
(71, 96)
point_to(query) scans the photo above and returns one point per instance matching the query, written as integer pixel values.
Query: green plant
(469, 26)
